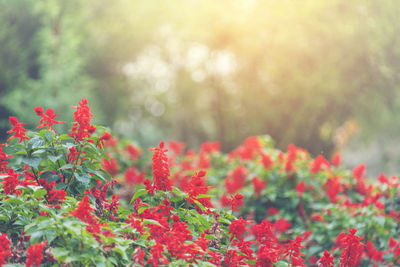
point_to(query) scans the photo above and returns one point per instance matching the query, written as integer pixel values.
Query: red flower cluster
(292, 250)
(236, 180)
(11, 182)
(195, 186)
(47, 118)
(5, 251)
(34, 254)
(327, 260)
(352, 249)
(3, 159)
(18, 130)
(82, 116)
(83, 211)
(237, 228)
(161, 173)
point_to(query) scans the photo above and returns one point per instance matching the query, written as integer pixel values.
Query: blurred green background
(323, 75)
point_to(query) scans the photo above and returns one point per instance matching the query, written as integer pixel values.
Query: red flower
(336, 160)
(105, 137)
(34, 254)
(133, 151)
(327, 260)
(11, 182)
(318, 162)
(292, 250)
(258, 185)
(111, 166)
(266, 161)
(333, 187)
(3, 159)
(197, 185)
(133, 176)
(209, 147)
(47, 119)
(373, 253)
(177, 147)
(236, 180)
(18, 130)
(138, 256)
(72, 155)
(359, 171)
(237, 228)
(82, 116)
(281, 225)
(161, 172)
(300, 188)
(272, 211)
(237, 202)
(83, 211)
(352, 249)
(5, 251)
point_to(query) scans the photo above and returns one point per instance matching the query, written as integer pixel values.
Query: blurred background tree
(213, 70)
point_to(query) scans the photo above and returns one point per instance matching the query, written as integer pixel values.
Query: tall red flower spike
(47, 118)
(18, 130)
(353, 249)
(161, 172)
(81, 127)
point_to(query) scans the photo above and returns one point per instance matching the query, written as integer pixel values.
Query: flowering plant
(86, 198)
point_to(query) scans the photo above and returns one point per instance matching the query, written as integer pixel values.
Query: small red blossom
(47, 118)
(18, 130)
(292, 250)
(11, 182)
(5, 251)
(237, 228)
(266, 161)
(359, 171)
(318, 163)
(326, 260)
(237, 202)
(336, 160)
(258, 185)
(34, 254)
(133, 151)
(83, 211)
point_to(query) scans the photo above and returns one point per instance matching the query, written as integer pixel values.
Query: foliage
(194, 71)
(85, 198)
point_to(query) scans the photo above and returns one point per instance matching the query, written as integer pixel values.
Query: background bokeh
(323, 75)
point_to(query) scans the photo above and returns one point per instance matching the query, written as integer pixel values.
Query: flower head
(18, 130)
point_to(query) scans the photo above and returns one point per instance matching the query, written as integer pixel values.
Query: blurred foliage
(207, 70)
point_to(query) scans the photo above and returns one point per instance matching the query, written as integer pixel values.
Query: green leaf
(66, 166)
(59, 253)
(55, 158)
(83, 178)
(137, 194)
(33, 162)
(40, 193)
(281, 264)
(35, 142)
(50, 177)
(203, 196)
(49, 135)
